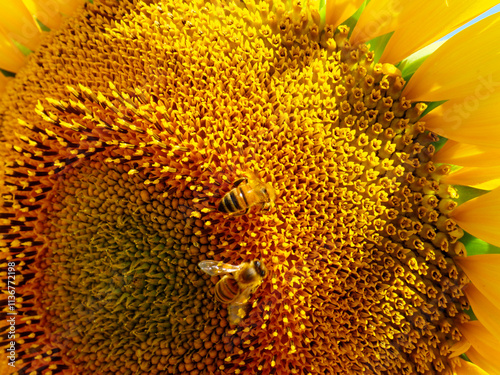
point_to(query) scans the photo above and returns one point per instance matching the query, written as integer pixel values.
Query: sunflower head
(152, 153)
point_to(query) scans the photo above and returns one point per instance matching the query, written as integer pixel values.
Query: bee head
(260, 268)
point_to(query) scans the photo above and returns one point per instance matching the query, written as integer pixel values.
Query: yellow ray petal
(47, 11)
(484, 272)
(467, 155)
(378, 18)
(484, 343)
(472, 119)
(483, 362)
(337, 11)
(3, 83)
(486, 312)
(481, 217)
(459, 348)
(459, 66)
(11, 58)
(415, 23)
(19, 23)
(428, 23)
(468, 368)
(68, 7)
(479, 178)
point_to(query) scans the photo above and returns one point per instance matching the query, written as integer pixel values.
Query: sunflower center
(359, 246)
(119, 283)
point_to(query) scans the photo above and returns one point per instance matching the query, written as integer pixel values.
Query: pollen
(137, 119)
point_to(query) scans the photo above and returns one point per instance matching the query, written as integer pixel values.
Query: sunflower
(356, 156)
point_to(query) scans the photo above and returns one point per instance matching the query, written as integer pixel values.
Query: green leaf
(7, 73)
(475, 246)
(24, 50)
(322, 11)
(410, 65)
(467, 193)
(353, 20)
(438, 144)
(42, 26)
(471, 314)
(431, 106)
(378, 44)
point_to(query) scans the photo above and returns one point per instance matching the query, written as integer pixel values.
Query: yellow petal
(19, 23)
(468, 155)
(68, 7)
(378, 18)
(47, 11)
(484, 344)
(481, 217)
(459, 348)
(464, 62)
(415, 23)
(337, 11)
(430, 21)
(472, 119)
(486, 312)
(484, 272)
(483, 362)
(11, 58)
(468, 368)
(3, 83)
(479, 178)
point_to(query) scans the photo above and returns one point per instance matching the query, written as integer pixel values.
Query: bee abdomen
(230, 203)
(226, 289)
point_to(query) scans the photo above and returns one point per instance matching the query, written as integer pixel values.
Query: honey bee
(237, 285)
(247, 192)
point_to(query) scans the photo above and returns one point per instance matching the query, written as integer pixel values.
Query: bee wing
(264, 190)
(237, 309)
(214, 268)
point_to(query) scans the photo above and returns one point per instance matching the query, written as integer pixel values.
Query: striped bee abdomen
(227, 289)
(247, 193)
(233, 201)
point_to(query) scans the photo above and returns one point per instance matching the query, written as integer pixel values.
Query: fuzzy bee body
(237, 285)
(246, 193)
(227, 289)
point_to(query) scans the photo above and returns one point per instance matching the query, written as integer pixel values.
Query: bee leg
(266, 207)
(240, 213)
